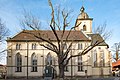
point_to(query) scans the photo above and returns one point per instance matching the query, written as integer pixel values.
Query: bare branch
(58, 17)
(57, 26)
(38, 35)
(67, 51)
(101, 29)
(116, 50)
(30, 22)
(49, 48)
(86, 50)
(52, 14)
(4, 32)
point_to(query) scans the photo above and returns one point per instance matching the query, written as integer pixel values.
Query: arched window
(80, 64)
(84, 27)
(18, 46)
(102, 58)
(34, 46)
(34, 62)
(95, 58)
(18, 59)
(49, 59)
(65, 46)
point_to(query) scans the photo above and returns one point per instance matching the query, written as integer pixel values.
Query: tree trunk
(117, 55)
(61, 71)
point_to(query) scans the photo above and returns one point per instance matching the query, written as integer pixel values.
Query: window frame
(18, 46)
(80, 46)
(34, 46)
(95, 58)
(102, 58)
(80, 63)
(84, 28)
(64, 46)
(34, 63)
(66, 69)
(18, 59)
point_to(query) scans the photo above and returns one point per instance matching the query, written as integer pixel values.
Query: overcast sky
(101, 11)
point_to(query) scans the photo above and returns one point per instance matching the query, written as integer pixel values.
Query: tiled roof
(47, 34)
(115, 64)
(96, 37)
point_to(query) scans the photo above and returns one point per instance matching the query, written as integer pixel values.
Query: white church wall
(42, 53)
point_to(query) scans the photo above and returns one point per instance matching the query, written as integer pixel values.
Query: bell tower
(86, 22)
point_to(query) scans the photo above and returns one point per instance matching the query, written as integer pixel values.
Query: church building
(25, 57)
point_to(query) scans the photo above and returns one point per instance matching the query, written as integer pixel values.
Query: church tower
(86, 22)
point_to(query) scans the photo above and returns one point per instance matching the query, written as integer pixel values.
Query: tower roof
(83, 15)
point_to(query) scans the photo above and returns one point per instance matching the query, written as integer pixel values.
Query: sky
(11, 12)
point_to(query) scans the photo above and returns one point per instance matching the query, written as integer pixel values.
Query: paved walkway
(117, 78)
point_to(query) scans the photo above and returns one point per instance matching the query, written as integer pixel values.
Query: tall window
(80, 64)
(33, 46)
(102, 58)
(80, 46)
(95, 58)
(65, 46)
(34, 62)
(49, 59)
(18, 59)
(18, 46)
(84, 27)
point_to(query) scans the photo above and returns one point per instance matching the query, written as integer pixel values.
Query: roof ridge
(76, 35)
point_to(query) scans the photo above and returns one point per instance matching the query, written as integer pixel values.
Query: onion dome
(83, 15)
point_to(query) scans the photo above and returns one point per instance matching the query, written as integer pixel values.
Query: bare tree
(57, 24)
(30, 20)
(116, 50)
(101, 29)
(3, 34)
(3, 31)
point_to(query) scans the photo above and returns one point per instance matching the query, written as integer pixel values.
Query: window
(66, 68)
(99, 47)
(80, 46)
(33, 46)
(95, 58)
(18, 59)
(34, 62)
(80, 64)
(102, 58)
(18, 46)
(65, 46)
(49, 59)
(84, 27)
